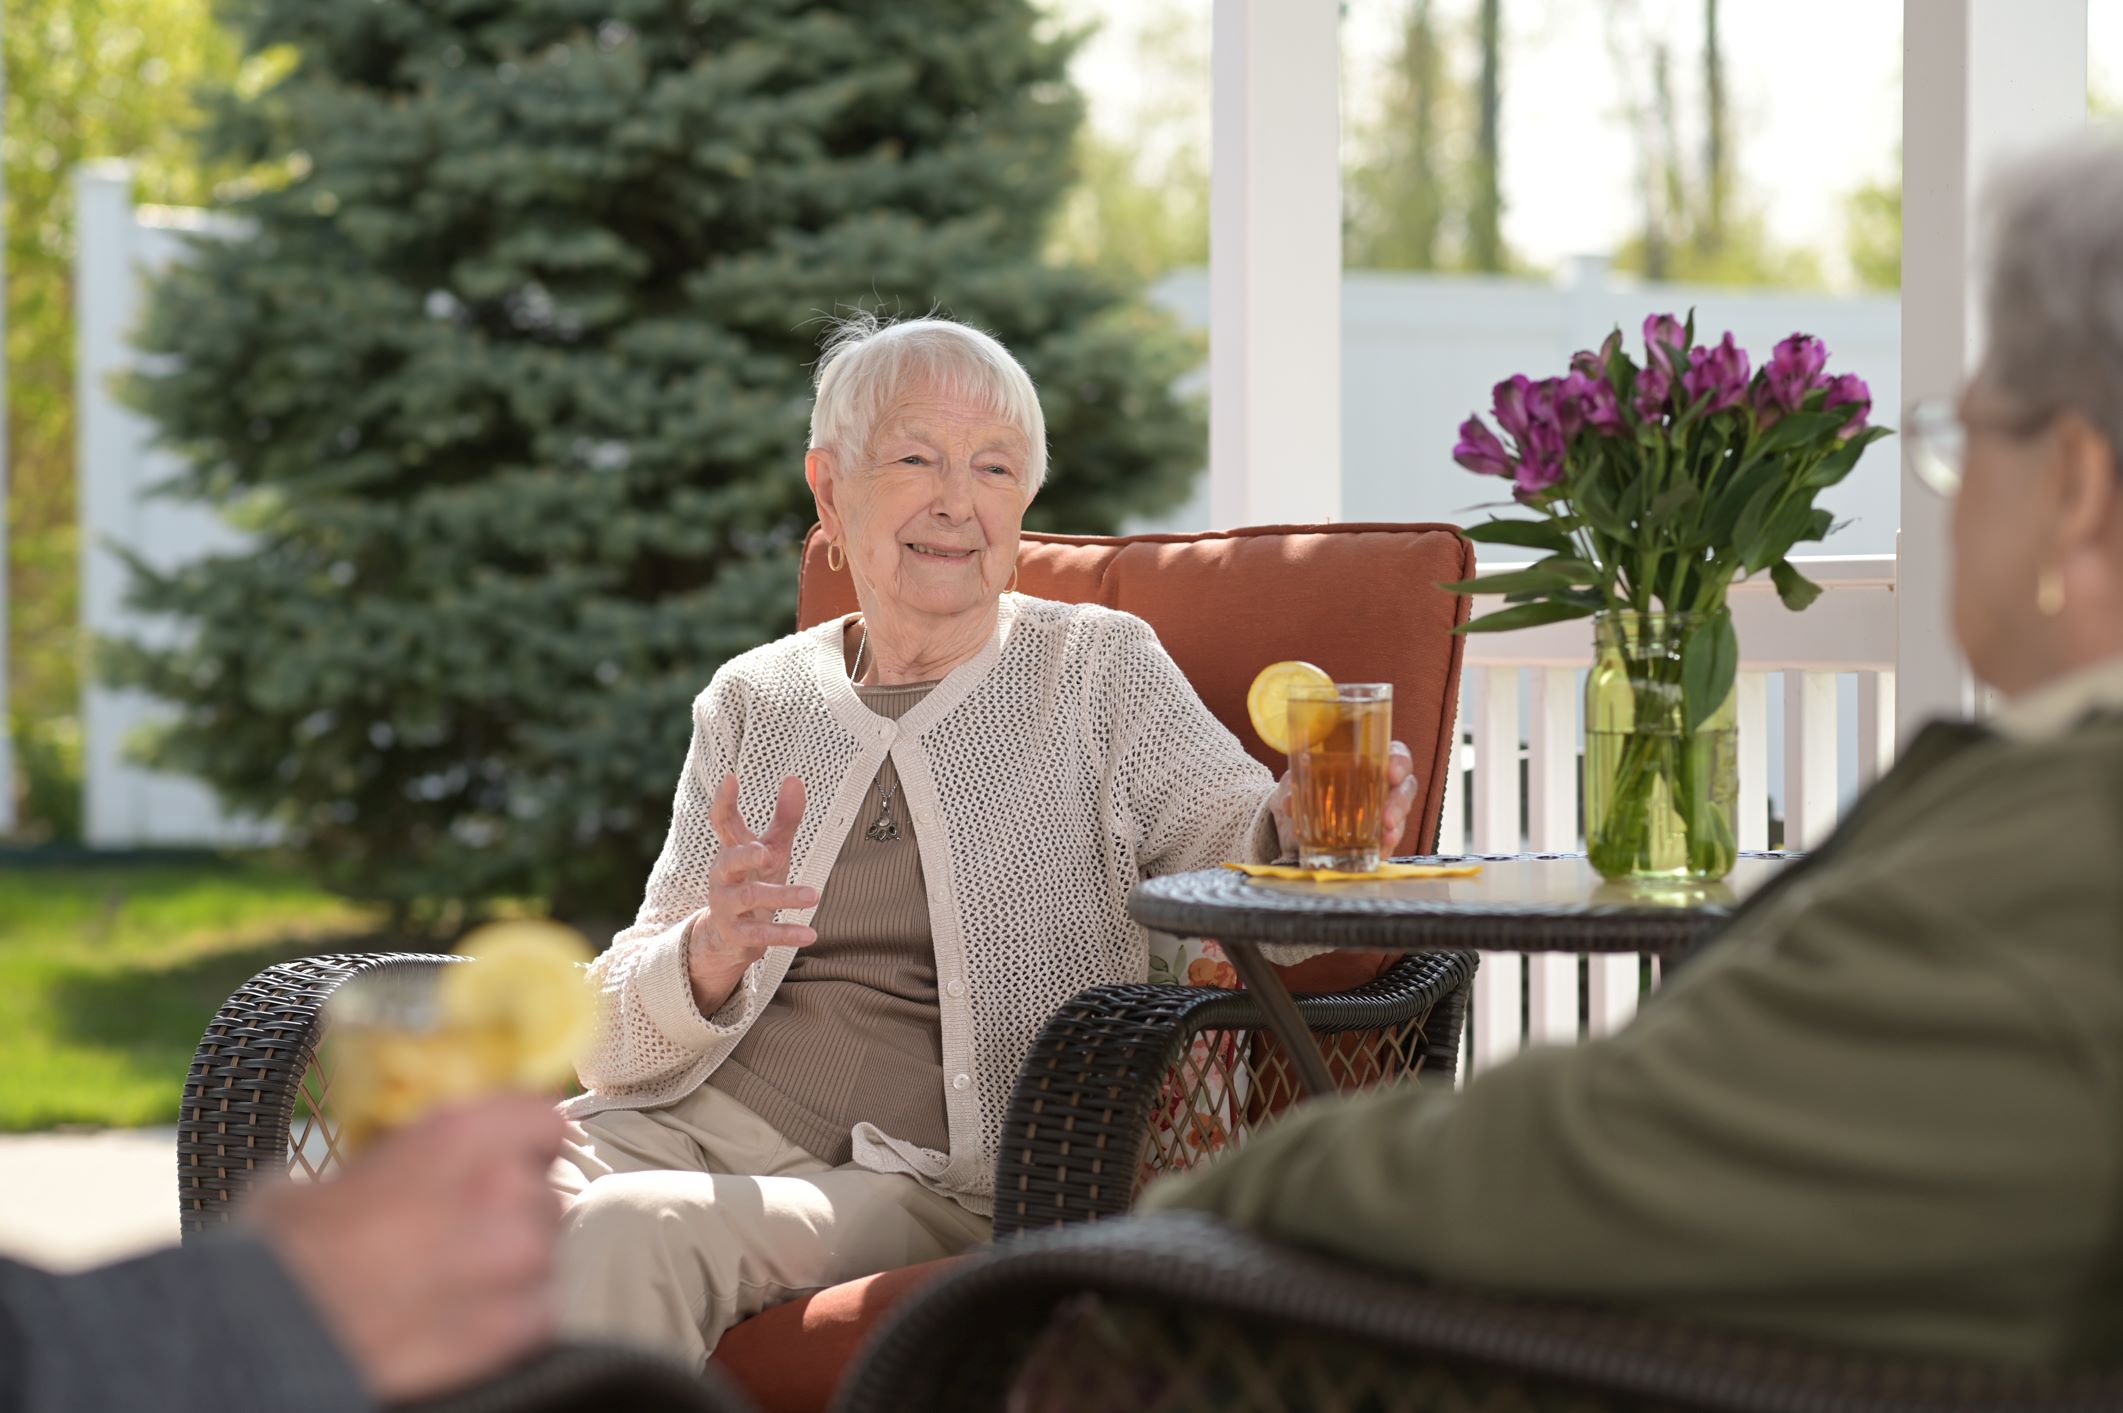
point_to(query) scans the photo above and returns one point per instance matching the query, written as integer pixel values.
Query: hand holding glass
(407, 1039)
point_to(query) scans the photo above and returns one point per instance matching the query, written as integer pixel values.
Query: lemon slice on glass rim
(528, 995)
(1268, 700)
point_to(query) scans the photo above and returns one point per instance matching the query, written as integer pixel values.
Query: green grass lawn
(108, 975)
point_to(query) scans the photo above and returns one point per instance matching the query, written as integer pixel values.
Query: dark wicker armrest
(1181, 1312)
(1087, 1102)
(258, 1056)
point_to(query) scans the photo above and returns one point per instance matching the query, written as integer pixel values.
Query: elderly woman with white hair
(1881, 1109)
(901, 840)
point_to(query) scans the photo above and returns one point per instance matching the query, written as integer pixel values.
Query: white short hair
(2055, 289)
(871, 364)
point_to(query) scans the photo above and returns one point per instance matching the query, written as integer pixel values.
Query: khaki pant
(685, 1220)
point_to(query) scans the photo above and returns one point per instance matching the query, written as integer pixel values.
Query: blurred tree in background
(1398, 205)
(1872, 219)
(1140, 204)
(1425, 189)
(1485, 217)
(85, 79)
(1872, 215)
(1698, 224)
(509, 384)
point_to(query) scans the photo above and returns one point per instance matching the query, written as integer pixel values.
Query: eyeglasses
(1935, 439)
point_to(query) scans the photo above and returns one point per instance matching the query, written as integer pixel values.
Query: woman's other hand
(747, 885)
(1401, 787)
(1400, 795)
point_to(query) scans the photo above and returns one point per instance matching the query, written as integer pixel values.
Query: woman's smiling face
(930, 517)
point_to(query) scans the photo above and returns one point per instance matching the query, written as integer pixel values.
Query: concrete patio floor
(69, 1200)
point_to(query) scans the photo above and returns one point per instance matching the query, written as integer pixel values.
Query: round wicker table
(1517, 903)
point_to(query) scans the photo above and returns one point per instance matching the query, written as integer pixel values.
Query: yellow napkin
(1335, 875)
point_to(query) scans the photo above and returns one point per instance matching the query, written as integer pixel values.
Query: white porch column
(1275, 263)
(1982, 81)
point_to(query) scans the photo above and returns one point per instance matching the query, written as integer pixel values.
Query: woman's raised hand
(747, 885)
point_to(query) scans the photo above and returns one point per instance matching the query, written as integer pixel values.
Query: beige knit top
(1065, 761)
(854, 1032)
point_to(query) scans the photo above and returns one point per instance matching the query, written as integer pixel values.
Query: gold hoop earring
(1014, 571)
(836, 557)
(2049, 593)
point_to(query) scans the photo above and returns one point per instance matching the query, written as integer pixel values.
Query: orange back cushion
(1361, 601)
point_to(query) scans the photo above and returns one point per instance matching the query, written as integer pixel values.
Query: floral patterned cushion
(1201, 1108)
(1203, 1105)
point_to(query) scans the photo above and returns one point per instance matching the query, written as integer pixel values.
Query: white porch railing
(1520, 715)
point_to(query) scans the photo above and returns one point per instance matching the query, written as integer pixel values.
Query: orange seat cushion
(791, 1358)
(1361, 601)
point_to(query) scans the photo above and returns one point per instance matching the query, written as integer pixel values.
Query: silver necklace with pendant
(884, 829)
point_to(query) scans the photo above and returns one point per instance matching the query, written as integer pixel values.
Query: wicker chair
(1085, 1127)
(1125, 1082)
(1108, 1098)
(1178, 1313)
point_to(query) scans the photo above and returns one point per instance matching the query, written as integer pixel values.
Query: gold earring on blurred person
(2049, 593)
(836, 557)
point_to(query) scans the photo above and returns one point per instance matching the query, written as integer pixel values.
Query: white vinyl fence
(115, 247)
(1420, 353)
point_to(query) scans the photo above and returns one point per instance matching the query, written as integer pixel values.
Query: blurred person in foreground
(1882, 1109)
(901, 840)
(423, 1269)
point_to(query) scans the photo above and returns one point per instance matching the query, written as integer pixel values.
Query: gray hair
(2054, 305)
(871, 364)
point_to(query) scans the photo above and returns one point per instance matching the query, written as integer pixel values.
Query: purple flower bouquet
(1653, 487)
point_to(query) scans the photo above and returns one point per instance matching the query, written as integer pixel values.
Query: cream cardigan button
(938, 894)
(925, 815)
(964, 1081)
(956, 988)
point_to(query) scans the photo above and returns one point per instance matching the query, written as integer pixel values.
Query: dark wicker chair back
(1178, 1313)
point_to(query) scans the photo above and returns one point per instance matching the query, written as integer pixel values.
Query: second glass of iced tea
(1340, 738)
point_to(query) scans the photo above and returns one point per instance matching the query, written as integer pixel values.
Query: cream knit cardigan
(1065, 761)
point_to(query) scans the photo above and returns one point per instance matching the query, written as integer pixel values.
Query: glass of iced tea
(1340, 740)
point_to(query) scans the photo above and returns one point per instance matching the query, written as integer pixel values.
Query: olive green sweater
(1884, 1109)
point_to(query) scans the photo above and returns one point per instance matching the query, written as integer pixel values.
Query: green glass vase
(1661, 797)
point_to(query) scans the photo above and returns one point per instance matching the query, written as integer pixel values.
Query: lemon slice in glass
(525, 996)
(1268, 699)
